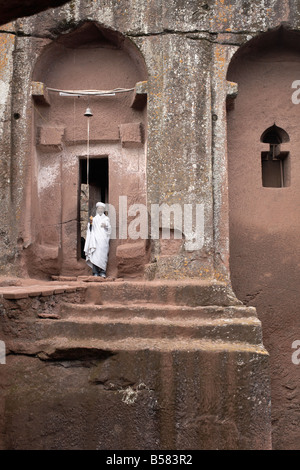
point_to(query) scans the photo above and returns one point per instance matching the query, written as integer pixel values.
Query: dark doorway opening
(93, 188)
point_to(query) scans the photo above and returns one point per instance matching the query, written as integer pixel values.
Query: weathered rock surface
(10, 11)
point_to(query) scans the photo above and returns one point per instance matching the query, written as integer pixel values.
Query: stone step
(109, 328)
(190, 293)
(24, 292)
(65, 348)
(152, 311)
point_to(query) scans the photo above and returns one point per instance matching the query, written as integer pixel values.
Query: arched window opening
(275, 163)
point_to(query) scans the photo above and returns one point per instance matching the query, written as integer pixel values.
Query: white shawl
(96, 246)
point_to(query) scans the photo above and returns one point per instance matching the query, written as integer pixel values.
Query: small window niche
(275, 164)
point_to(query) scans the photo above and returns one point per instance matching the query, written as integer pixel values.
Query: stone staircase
(139, 315)
(180, 361)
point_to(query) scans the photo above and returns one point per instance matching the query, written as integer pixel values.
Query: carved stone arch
(90, 59)
(274, 135)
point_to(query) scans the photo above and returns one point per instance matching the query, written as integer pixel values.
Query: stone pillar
(7, 222)
(179, 165)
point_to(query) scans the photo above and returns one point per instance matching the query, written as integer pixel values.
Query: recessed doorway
(93, 187)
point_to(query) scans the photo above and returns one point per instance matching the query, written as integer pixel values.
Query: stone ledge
(84, 279)
(63, 347)
(16, 293)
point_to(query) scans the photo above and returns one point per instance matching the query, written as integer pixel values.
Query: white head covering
(100, 208)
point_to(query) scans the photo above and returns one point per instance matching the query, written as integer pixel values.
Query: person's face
(100, 210)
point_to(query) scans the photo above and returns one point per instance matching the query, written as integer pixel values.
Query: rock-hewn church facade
(182, 117)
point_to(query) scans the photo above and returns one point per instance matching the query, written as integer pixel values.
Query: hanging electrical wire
(91, 92)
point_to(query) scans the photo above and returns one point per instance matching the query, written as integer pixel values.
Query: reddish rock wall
(264, 221)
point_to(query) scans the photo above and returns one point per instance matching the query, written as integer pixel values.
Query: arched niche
(106, 151)
(275, 164)
(264, 222)
(274, 135)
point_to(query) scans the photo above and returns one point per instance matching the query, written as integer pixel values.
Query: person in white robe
(96, 245)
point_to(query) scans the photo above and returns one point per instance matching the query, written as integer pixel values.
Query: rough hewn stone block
(40, 93)
(132, 134)
(50, 137)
